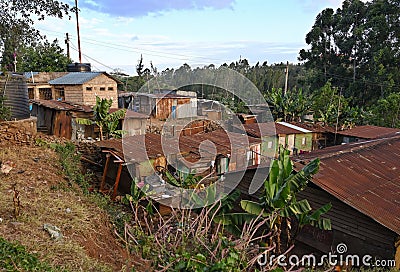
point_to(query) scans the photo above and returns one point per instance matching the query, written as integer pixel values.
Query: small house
(39, 87)
(296, 139)
(83, 87)
(133, 123)
(59, 118)
(213, 153)
(165, 106)
(322, 136)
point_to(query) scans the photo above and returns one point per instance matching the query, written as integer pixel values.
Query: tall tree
(45, 57)
(357, 48)
(17, 20)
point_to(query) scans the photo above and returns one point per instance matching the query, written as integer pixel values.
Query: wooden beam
(103, 180)
(117, 181)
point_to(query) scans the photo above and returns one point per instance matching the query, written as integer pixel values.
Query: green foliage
(70, 163)
(106, 121)
(17, 19)
(14, 257)
(386, 112)
(354, 47)
(328, 104)
(5, 112)
(289, 106)
(279, 202)
(44, 57)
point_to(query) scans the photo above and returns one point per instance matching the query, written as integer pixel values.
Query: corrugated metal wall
(15, 90)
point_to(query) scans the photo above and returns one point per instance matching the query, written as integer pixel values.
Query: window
(304, 141)
(111, 88)
(45, 94)
(89, 88)
(102, 88)
(60, 94)
(31, 93)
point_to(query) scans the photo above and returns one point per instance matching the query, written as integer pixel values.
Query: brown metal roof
(189, 145)
(62, 105)
(134, 148)
(317, 128)
(363, 175)
(268, 129)
(369, 132)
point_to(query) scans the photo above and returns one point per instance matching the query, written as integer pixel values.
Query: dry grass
(88, 243)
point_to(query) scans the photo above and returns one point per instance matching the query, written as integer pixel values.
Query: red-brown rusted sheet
(62, 105)
(370, 132)
(364, 175)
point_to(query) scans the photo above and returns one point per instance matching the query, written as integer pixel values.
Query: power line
(86, 56)
(139, 50)
(126, 48)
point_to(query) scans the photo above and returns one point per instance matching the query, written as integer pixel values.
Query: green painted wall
(303, 142)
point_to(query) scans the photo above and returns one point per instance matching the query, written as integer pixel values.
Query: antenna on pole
(77, 29)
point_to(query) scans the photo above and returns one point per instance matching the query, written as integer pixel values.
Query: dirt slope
(88, 242)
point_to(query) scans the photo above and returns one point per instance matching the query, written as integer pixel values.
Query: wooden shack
(361, 180)
(58, 118)
(165, 106)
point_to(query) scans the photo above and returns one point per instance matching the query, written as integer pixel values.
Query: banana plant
(106, 121)
(278, 201)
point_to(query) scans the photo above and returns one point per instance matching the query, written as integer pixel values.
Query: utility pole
(67, 43)
(286, 77)
(77, 29)
(337, 116)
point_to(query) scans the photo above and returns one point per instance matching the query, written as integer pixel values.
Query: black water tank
(14, 89)
(79, 67)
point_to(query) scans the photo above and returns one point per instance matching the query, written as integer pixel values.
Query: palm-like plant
(279, 202)
(106, 121)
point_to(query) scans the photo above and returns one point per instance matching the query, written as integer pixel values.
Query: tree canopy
(17, 18)
(357, 48)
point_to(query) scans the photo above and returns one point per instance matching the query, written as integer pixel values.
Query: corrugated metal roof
(62, 105)
(369, 132)
(189, 145)
(317, 128)
(363, 175)
(75, 78)
(269, 129)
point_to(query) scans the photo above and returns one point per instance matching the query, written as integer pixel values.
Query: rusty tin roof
(364, 175)
(144, 147)
(62, 105)
(369, 132)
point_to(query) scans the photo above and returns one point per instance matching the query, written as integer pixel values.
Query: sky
(115, 33)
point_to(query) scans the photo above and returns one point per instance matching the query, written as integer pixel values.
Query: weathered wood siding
(360, 233)
(62, 124)
(164, 107)
(73, 93)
